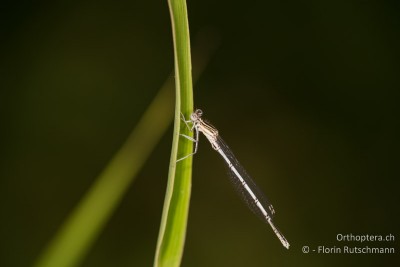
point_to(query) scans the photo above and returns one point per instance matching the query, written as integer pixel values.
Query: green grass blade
(88, 219)
(172, 233)
(83, 225)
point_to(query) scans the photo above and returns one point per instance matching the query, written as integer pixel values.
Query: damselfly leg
(195, 140)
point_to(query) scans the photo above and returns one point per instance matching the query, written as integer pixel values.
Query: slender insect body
(249, 191)
(209, 132)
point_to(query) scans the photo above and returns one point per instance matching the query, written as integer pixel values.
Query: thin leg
(186, 122)
(188, 137)
(195, 140)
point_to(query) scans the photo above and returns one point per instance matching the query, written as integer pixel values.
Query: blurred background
(304, 92)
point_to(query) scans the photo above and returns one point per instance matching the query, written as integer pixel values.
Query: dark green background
(305, 92)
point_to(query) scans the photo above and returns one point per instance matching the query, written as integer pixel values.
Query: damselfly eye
(196, 115)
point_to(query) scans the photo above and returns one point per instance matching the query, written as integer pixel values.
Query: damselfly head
(196, 115)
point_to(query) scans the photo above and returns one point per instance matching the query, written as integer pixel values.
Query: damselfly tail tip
(280, 236)
(283, 240)
(286, 244)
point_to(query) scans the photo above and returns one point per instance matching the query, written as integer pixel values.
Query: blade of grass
(88, 219)
(80, 230)
(172, 233)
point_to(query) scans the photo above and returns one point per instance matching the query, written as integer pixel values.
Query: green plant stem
(172, 233)
(81, 228)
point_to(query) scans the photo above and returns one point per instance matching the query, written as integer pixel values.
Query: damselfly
(246, 187)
